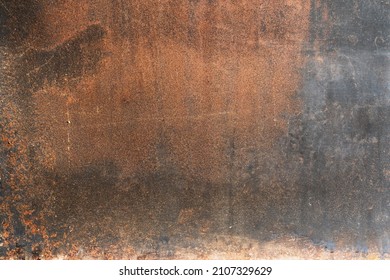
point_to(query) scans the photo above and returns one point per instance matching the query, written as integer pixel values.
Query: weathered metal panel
(194, 129)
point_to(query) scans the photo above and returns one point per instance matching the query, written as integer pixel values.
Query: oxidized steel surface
(194, 129)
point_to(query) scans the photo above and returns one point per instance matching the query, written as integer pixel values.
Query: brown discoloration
(170, 93)
(155, 124)
(175, 87)
(170, 98)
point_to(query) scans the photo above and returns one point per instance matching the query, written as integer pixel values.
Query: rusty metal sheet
(194, 129)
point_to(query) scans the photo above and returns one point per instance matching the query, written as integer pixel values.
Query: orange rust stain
(182, 81)
(193, 86)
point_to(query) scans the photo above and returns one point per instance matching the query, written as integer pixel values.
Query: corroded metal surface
(194, 129)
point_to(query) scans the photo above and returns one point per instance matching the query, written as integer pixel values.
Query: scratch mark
(353, 70)
(36, 69)
(161, 119)
(68, 121)
(5, 7)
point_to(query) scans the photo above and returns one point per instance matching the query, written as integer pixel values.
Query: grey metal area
(344, 132)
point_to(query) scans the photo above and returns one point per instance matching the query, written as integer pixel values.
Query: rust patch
(149, 130)
(169, 124)
(183, 80)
